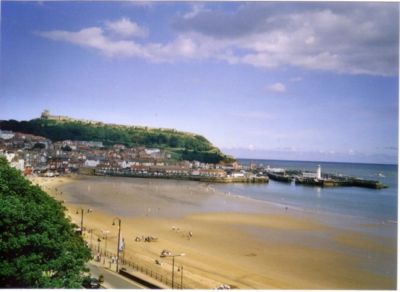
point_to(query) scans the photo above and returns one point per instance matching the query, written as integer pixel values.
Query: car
(91, 283)
(94, 283)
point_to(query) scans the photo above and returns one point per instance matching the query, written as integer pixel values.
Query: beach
(226, 239)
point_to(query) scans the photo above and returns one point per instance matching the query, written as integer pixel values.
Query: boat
(309, 181)
(280, 177)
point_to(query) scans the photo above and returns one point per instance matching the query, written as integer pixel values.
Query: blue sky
(302, 81)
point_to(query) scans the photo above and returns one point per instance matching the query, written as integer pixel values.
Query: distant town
(37, 155)
(40, 156)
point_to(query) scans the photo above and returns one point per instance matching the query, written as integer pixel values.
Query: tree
(66, 148)
(39, 248)
(39, 145)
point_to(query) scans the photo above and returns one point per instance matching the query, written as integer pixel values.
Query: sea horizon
(314, 161)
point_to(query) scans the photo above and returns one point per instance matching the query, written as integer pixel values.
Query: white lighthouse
(319, 172)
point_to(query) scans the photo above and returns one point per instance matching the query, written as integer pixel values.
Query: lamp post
(105, 232)
(98, 244)
(173, 266)
(91, 237)
(119, 238)
(82, 211)
(181, 277)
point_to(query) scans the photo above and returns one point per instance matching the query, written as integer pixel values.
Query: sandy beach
(236, 241)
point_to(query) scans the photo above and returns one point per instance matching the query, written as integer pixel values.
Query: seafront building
(6, 135)
(35, 154)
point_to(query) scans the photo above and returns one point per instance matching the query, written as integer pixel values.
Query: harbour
(249, 174)
(375, 204)
(321, 180)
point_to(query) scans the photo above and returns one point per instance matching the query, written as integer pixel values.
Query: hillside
(182, 145)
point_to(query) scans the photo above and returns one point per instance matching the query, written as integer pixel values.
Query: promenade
(112, 280)
(130, 276)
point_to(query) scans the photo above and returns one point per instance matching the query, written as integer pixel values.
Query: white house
(20, 164)
(152, 151)
(9, 156)
(195, 172)
(125, 164)
(6, 135)
(237, 174)
(91, 163)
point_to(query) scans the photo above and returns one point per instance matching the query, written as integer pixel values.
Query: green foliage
(66, 148)
(39, 146)
(213, 156)
(39, 248)
(197, 146)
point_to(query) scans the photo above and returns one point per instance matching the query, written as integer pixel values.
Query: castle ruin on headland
(46, 115)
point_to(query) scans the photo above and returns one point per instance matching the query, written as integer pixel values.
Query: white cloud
(196, 9)
(181, 46)
(350, 38)
(116, 39)
(277, 87)
(360, 38)
(93, 37)
(126, 28)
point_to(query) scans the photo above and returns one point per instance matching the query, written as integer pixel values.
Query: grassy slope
(182, 145)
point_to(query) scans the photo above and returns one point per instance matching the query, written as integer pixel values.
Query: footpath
(114, 280)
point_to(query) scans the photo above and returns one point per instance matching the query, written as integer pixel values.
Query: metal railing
(162, 277)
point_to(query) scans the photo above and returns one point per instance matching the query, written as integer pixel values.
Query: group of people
(189, 235)
(112, 260)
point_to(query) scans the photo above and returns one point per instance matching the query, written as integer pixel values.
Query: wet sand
(236, 241)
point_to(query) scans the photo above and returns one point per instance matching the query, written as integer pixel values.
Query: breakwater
(208, 179)
(260, 175)
(327, 181)
(281, 178)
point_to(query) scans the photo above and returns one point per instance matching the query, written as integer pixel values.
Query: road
(112, 280)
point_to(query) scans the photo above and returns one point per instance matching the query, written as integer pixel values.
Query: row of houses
(162, 170)
(30, 153)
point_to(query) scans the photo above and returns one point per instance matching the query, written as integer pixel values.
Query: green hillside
(182, 145)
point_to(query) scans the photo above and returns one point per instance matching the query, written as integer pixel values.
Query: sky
(269, 80)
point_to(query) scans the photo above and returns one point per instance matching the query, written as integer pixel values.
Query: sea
(362, 205)
(370, 211)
